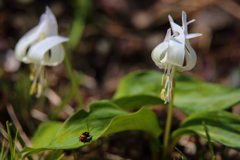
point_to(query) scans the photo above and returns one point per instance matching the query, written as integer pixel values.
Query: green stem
(167, 130)
(74, 156)
(208, 140)
(168, 124)
(73, 81)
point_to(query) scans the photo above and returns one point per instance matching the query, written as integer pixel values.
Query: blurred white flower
(41, 46)
(170, 54)
(11, 64)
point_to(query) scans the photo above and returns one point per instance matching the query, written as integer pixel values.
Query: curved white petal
(191, 58)
(52, 27)
(36, 53)
(28, 39)
(57, 56)
(159, 53)
(46, 27)
(176, 53)
(179, 34)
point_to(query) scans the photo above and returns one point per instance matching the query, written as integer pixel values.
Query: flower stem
(73, 81)
(167, 129)
(168, 124)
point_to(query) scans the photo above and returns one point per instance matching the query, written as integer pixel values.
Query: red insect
(86, 137)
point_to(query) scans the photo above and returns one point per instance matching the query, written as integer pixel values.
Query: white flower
(41, 46)
(170, 54)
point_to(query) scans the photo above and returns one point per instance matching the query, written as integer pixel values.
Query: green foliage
(208, 140)
(223, 127)
(104, 116)
(14, 154)
(82, 8)
(139, 89)
(191, 96)
(55, 154)
(3, 153)
(45, 133)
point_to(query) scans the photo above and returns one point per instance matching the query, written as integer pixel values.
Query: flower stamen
(162, 79)
(38, 77)
(163, 97)
(169, 84)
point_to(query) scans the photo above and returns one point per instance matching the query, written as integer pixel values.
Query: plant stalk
(168, 123)
(73, 81)
(167, 130)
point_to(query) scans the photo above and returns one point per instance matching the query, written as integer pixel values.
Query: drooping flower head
(170, 54)
(41, 46)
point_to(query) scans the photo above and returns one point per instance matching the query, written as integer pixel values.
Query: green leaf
(139, 89)
(105, 117)
(191, 95)
(223, 127)
(45, 133)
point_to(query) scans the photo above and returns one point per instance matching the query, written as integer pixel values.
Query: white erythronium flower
(41, 46)
(170, 54)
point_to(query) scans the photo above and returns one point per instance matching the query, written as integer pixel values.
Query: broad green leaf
(223, 127)
(139, 89)
(105, 117)
(45, 133)
(191, 95)
(130, 102)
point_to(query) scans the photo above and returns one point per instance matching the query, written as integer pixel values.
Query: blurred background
(109, 39)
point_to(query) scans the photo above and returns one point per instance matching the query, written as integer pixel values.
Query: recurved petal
(159, 52)
(52, 27)
(28, 39)
(170, 18)
(48, 51)
(191, 58)
(176, 53)
(168, 35)
(193, 35)
(54, 56)
(178, 32)
(191, 21)
(184, 22)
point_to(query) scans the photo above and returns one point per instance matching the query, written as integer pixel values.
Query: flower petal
(184, 22)
(28, 39)
(47, 27)
(191, 58)
(189, 22)
(193, 35)
(57, 56)
(176, 53)
(38, 52)
(168, 35)
(159, 53)
(178, 32)
(52, 27)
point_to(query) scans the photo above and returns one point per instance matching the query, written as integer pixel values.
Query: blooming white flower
(170, 54)
(41, 46)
